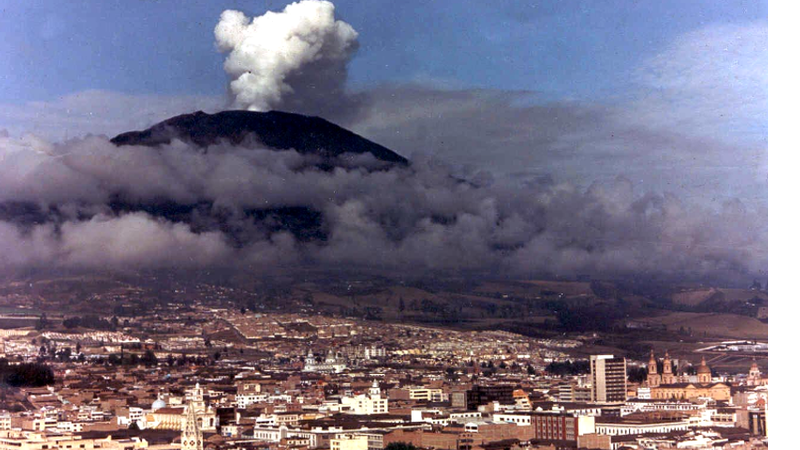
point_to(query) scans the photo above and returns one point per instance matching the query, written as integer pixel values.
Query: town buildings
(241, 380)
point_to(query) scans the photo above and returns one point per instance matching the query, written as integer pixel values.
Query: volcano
(274, 129)
(329, 146)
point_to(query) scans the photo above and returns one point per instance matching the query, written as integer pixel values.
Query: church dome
(158, 404)
(703, 367)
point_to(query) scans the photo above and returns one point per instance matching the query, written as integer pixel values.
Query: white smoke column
(293, 60)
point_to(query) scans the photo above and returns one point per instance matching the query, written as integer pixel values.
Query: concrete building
(481, 395)
(609, 378)
(555, 426)
(350, 442)
(637, 424)
(369, 404)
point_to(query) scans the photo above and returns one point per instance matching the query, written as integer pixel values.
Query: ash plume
(294, 60)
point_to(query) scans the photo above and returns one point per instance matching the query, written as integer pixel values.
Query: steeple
(652, 365)
(191, 436)
(667, 377)
(653, 378)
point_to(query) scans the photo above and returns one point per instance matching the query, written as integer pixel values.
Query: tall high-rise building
(609, 378)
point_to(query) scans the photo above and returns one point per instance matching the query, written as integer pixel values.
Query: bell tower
(667, 377)
(653, 378)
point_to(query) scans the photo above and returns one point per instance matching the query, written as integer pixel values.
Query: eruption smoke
(295, 60)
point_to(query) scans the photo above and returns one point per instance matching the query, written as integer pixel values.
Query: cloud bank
(59, 208)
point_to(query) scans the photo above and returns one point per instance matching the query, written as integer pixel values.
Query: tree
(401, 446)
(42, 323)
(402, 306)
(637, 374)
(568, 368)
(25, 374)
(64, 354)
(149, 359)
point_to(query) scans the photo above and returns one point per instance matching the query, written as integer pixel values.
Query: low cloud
(408, 221)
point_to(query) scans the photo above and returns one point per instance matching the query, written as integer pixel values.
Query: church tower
(703, 372)
(191, 436)
(653, 378)
(375, 391)
(310, 360)
(196, 396)
(754, 376)
(667, 377)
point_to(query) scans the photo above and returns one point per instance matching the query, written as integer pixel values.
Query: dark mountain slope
(275, 129)
(313, 136)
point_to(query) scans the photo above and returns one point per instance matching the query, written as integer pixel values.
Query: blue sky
(569, 49)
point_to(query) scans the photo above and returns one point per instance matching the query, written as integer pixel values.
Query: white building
(331, 363)
(369, 404)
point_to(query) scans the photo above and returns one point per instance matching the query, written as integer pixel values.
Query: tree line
(25, 374)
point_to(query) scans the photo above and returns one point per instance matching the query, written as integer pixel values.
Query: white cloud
(711, 83)
(294, 59)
